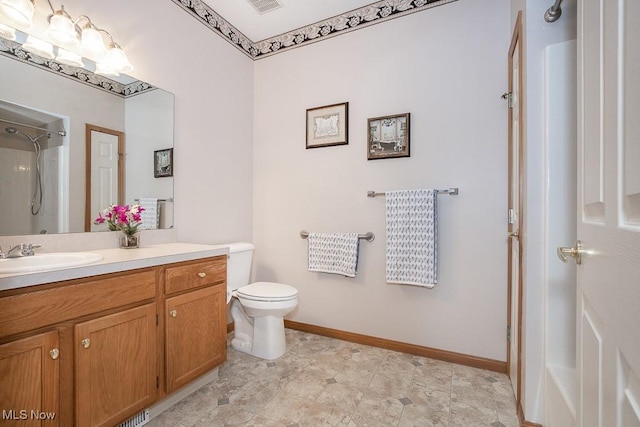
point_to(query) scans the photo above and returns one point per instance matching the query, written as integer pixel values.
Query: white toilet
(257, 309)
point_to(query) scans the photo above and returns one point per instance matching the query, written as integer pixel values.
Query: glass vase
(129, 241)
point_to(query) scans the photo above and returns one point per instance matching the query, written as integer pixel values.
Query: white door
(608, 291)
(104, 173)
(514, 99)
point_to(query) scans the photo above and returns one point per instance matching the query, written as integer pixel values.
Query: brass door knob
(86, 343)
(173, 313)
(55, 353)
(575, 252)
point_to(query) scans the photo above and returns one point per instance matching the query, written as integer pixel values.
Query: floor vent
(139, 419)
(264, 6)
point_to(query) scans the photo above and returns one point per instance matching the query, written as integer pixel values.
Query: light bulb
(105, 70)
(62, 30)
(117, 60)
(69, 58)
(91, 43)
(39, 47)
(18, 12)
(7, 32)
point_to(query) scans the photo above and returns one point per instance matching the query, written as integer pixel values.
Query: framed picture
(328, 125)
(388, 137)
(163, 163)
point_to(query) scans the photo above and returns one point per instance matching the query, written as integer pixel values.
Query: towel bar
(369, 236)
(170, 199)
(453, 191)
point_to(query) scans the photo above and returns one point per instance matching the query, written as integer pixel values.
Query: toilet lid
(267, 291)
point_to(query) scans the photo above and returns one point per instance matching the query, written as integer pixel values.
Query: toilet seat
(267, 291)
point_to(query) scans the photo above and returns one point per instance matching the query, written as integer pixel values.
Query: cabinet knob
(173, 313)
(55, 353)
(86, 342)
(202, 274)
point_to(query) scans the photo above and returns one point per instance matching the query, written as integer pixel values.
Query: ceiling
(292, 15)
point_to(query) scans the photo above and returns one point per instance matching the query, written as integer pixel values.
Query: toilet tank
(239, 265)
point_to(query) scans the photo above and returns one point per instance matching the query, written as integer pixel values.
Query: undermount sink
(47, 261)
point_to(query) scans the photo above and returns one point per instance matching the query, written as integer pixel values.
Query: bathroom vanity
(99, 343)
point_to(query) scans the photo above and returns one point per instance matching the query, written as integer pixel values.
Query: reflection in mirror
(45, 97)
(32, 165)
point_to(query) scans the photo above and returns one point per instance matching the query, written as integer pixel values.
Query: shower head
(13, 130)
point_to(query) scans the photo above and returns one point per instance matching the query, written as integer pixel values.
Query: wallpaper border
(374, 13)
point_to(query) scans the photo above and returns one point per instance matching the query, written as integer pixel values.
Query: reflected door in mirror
(105, 169)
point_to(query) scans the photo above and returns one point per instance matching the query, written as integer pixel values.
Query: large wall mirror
(52, 152)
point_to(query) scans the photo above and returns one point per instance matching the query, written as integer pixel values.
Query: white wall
(446, 66)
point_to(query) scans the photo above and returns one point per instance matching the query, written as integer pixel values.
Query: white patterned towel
(334, 253)
(151, 214)
(412, 237)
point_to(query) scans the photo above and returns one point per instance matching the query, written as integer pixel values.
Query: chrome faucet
(26, 249)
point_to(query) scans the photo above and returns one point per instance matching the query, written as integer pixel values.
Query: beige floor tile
(321, 381)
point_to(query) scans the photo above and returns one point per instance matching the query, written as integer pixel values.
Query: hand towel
(334, 253)
(151, 214)
(412, 237)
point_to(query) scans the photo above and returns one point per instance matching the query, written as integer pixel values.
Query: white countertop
(115, 260)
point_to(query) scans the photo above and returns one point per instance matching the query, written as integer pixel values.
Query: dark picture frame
(328, 125)
(388, 136)
(163, 163)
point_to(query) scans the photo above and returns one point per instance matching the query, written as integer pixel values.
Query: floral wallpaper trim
(14, 50)
(360, 18)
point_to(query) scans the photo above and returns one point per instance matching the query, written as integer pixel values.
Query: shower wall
(17, 168)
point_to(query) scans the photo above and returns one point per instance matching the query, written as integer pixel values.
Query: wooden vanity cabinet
(30, 378)
(115, 366)
(97, 350)
(195, 320)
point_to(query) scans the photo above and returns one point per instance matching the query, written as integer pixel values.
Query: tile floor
(322, 381)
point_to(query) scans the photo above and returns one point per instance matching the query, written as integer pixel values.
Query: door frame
(516, 43)
(120, 135)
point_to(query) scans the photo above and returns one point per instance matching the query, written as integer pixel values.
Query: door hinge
(512, 216)
(509, 333)
(157, 319)
(509, 97)
(157, 382)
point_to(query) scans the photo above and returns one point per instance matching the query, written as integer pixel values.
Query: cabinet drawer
(194, 275)
(32, 310)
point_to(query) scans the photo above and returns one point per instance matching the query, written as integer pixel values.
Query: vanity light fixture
(116, 59)
(104, 70)
(64, 31)
(91, 42)
(18, 12)
(69, 58)
(38, 47)
(6, 32)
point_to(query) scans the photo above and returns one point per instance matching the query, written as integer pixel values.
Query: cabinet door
(115, 366)
(30, 381)
(196, 329)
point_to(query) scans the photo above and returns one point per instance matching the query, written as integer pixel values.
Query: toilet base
(261, 337)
